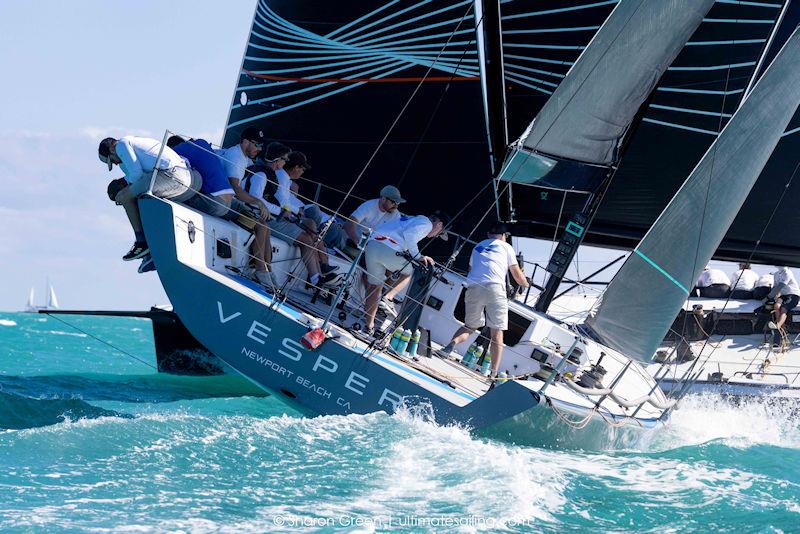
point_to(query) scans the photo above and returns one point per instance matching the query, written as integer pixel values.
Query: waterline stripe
(659, 269)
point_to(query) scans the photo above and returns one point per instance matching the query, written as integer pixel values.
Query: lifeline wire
(102, 341)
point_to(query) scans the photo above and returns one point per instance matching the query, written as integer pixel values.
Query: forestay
(588, 114)
(641, 302)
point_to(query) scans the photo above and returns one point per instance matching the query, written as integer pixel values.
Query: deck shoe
(387, 307)
(147, 264)
(138, 250)
(326, 268)
(444, 352)
(330, 279)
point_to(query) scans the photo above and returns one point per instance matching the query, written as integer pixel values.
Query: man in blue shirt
(217, 192)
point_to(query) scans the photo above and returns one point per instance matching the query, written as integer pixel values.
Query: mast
(490, 53)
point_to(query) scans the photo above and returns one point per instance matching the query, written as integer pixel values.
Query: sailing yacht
(52, 300)
(560, 381)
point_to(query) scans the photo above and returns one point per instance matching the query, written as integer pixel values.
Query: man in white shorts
(486, 293)
(387, 250)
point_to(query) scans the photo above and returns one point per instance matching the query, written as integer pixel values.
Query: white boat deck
(742, 360)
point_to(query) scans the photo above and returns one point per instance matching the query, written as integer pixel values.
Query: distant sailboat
(52, 300)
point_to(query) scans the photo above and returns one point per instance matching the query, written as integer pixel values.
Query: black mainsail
(640, 304)
(329, 77)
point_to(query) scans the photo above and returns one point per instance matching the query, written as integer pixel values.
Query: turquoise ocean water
(94, 440)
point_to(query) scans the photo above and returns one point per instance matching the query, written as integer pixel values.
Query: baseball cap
(253, 134)
(104, 151)
(392, 193)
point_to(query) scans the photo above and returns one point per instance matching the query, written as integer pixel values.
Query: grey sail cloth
(587, 115)
(644, 297)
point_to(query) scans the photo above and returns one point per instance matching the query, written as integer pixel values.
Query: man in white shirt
(485, 299)
(388, 249)
(713, 283)
(288, 225)
(372, 213)
(763, 286)
(138, 157)
(236, 159)
(786, 293)
(744, 280)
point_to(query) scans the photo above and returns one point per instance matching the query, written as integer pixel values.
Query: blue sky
(73, 73)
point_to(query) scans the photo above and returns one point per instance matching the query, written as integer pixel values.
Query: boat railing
(762, 373)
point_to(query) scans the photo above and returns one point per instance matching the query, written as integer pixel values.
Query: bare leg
(128, 201)
(496, 349)
(262, 248)
(461, 335)
(781, 315)
(309, 253)
(373, 296)
(397, 287)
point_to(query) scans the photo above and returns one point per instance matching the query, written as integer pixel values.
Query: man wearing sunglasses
(236, 159)
(364, 219)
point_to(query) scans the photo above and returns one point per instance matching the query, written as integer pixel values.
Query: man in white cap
(364, 219)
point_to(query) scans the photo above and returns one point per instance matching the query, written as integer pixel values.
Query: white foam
(701, 419)
(7, 322)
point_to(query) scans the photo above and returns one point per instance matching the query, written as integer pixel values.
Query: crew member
(486, 299)
(236, 159)
(389, 249)
(786, 294)
(713, 283)
(138, 157)
(744, 280)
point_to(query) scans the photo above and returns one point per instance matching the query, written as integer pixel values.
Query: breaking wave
(17, 412)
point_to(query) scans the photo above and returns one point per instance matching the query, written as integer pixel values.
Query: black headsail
(313, 76)
(575, 141)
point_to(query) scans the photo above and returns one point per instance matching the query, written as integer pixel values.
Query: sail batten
(589, 113)
(640, 304)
